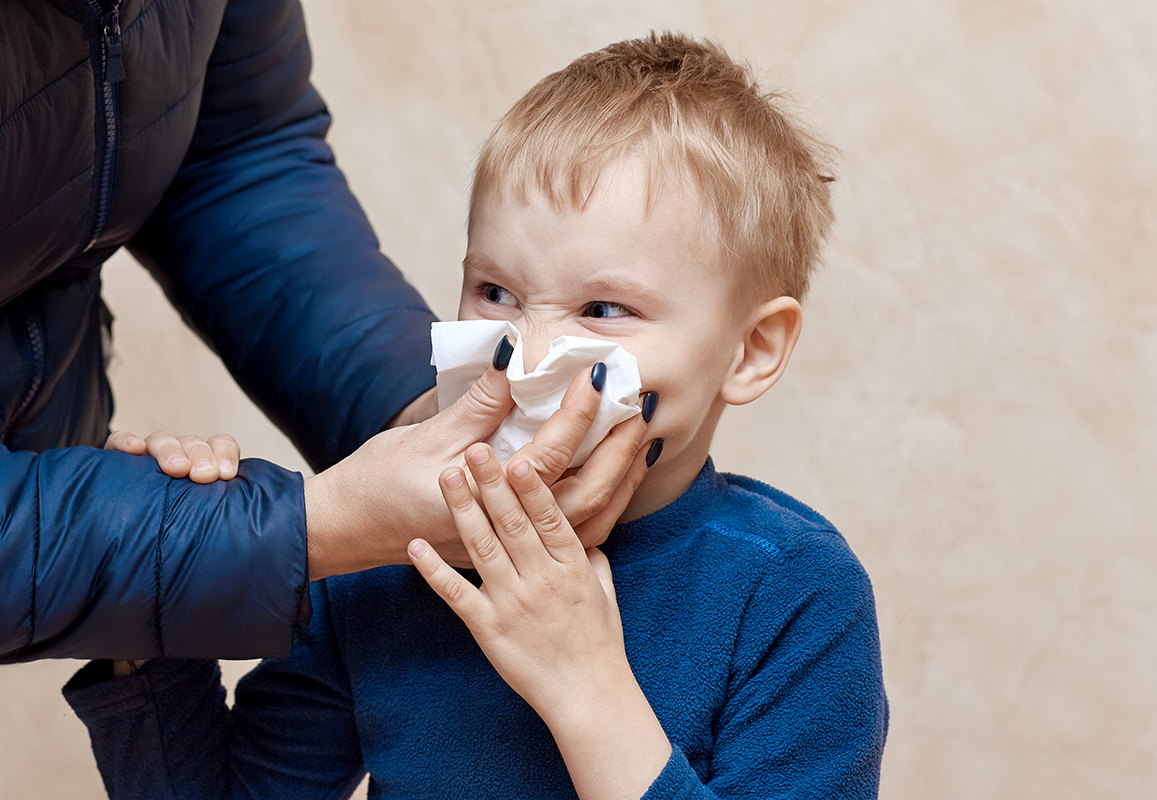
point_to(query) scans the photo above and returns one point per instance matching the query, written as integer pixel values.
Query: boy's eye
(601, 309)
(496, 294)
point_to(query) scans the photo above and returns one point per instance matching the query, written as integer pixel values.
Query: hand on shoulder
(199, 460)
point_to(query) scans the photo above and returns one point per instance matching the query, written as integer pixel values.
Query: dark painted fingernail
(650, 400)
(599, 376)
(502, 354)
(653, 453)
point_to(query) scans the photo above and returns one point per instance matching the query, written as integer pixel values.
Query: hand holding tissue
(463, 350)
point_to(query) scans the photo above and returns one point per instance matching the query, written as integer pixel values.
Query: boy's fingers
(602, 569)
(595, 529)
(589, 491)
(482, 545)
(228, 454)
(555, 532)
(556, 442)
(126, 442)
(456, 591)
(169, 453)
(203, 460)
(508, 518)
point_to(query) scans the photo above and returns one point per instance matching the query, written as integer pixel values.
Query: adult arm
(102, 555)
(266, 253)
(261, 246)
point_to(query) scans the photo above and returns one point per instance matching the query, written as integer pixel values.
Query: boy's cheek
(675, 360)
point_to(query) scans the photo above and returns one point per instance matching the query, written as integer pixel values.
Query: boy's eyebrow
(621, 285)
(490, 270)
(478, 262)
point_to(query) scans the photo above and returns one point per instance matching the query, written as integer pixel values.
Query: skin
(545, 615)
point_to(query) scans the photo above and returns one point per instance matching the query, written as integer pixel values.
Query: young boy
(650, 195)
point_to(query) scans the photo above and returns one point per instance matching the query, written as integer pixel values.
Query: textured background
(974, 400)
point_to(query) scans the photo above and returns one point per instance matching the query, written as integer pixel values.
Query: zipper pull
(114, 65)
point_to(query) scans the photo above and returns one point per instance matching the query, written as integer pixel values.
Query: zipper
(112, 72)
(36, 345)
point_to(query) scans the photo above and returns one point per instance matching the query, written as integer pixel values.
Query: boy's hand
(199, 460)
(546, 618)
(545, 615)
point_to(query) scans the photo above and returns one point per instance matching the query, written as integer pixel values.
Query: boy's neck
(667, 480)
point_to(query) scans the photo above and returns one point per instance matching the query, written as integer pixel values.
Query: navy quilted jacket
(186, 130)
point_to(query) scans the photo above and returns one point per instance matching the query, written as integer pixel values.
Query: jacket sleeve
(102, 555)
(167, 732)
(805, 714)
(266, 253)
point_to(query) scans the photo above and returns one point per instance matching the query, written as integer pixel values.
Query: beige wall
(974, 400)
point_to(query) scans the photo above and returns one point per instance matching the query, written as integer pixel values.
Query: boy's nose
(535, 345)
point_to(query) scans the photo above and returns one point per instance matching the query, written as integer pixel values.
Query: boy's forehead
(621, 207)
(628, 208)
(572, 184)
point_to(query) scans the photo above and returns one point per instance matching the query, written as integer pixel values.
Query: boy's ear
(762, 355)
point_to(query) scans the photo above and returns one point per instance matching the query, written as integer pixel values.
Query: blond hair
(690, 112)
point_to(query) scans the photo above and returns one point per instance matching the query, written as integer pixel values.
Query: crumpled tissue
(463, 350)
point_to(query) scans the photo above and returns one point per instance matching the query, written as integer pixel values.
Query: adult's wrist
(322, 543)
(341, 534)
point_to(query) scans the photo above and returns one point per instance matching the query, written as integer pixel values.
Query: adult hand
(363, 511)
(420, 409)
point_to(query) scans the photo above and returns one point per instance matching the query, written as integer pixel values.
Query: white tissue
(464, 349)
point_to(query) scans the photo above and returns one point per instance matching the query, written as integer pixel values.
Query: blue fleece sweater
(748, 622)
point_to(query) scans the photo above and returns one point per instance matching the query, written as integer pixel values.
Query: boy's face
(620, 272)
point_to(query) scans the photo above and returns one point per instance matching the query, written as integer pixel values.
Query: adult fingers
(553, 530)
(170, 455)
(126, 442)
(589, 491)
(507, 516)
(557, 441)
(476, 414)
(594, 530)
(203, 460)
(228, 454)
(485, 549)
(457, 592)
